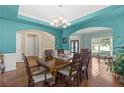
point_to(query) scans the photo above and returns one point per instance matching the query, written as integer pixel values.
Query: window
(95, 45)
(102, 46)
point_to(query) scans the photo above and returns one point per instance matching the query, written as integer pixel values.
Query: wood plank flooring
(98, 77)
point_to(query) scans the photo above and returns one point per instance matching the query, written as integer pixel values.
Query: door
(32, 45)
(19, 47)
(74, 46)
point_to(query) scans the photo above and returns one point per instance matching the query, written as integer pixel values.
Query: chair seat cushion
(84, 68)
(41, 77)
(65, 71)
(41, 69)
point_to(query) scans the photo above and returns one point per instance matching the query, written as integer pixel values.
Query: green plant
(118, 65)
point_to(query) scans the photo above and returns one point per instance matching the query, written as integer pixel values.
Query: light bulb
(55, 21)
(52, 23)
(68, 24)
(64, 26)
(64, 21)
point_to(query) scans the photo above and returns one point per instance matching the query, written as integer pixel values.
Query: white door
(32, 45)
(36, 45)
(19, 47)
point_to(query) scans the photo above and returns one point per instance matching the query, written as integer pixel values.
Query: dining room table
(54, 66)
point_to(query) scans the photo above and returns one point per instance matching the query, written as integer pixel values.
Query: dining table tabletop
(64, 57)
(54, 65)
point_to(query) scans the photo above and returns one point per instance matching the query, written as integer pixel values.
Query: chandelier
(60, 21)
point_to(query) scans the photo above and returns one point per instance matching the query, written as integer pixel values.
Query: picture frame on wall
(65, 40)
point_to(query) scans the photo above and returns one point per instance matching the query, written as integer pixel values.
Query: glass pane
(95, 45)
(105, 46)
(76, 47)
(72, 46)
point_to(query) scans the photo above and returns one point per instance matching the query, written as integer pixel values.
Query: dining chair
(2, 65)
(84, 50)
(34, 65)
(109, 62)
(72, 72)
(85, 58)
(60, 51)
(33, 79)
(48, 54)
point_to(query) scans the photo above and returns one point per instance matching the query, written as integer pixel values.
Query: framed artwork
(65, 40)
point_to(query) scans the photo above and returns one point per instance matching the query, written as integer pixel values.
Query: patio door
(74, 46)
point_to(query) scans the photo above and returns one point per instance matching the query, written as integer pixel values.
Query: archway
(33, 43)
(86, 37)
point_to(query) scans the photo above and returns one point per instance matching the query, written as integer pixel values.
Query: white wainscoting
(10, 61)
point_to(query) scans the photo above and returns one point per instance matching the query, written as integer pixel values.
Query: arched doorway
(97, 39)
(33, 43)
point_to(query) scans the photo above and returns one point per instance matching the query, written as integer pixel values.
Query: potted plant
(118, 66)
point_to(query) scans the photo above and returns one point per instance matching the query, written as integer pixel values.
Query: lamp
(60, 21)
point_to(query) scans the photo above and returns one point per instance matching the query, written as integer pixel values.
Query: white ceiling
(48, 13)
(91, 30)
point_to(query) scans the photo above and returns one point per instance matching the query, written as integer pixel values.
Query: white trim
(26, 42)
(32, 17)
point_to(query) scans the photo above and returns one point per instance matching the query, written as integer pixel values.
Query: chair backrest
(27, 68)
(32, 60)
(60, 51)
(48, 54)
(76, 64)
(84, 50)
(110, 59)
(1, 59)
(85, 58)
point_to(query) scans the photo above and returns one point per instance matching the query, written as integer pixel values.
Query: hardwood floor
(98, 77)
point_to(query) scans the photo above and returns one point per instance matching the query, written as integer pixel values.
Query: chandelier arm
(60, 21)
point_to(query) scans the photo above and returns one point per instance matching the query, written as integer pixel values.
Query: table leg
(54, 75)
(53, 82)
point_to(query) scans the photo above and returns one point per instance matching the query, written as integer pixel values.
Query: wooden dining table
(55, 65)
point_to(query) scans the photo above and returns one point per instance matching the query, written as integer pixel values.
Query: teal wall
(1, 32)
(8, 31)
(114, 18)
(11, 22)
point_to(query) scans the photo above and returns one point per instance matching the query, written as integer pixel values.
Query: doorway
(32, 45)
(74, 46)
(18, 47)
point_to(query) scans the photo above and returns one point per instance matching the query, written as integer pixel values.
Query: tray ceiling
(48, 13)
